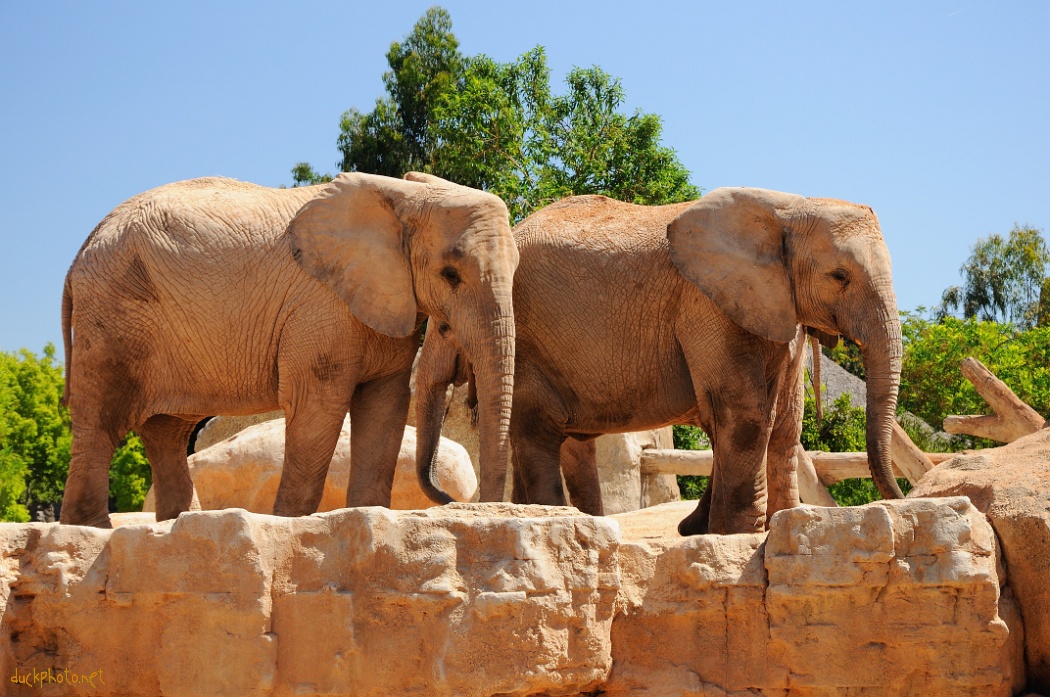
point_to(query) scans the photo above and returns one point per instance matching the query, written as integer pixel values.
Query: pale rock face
(458, 600)
(1011, 485)
(895, 598)
(244, 471)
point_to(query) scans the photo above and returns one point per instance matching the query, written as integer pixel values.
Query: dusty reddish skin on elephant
(632, 317)
(214, 296)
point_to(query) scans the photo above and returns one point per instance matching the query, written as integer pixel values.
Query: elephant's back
(598, 222)
(193, 276)
(209, 214)
(595, 300)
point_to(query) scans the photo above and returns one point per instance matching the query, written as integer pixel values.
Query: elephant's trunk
(881, 351)
(437, 369)
(493, 363)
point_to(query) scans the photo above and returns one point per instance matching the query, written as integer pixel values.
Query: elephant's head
(771, 260)
(395, 250)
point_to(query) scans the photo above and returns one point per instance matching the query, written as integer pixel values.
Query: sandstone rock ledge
(898, 598)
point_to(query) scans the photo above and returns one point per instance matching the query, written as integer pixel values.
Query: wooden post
(810, 489)
(907, 457)
(1012, 418)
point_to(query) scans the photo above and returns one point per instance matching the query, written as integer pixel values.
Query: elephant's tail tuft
(67, 342)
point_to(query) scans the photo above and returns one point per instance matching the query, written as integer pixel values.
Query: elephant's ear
(349, 238)
(731, 245)
(424, 178)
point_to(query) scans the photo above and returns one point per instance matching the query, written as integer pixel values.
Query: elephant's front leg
(378, 414)
(312, 427)
(738, 480)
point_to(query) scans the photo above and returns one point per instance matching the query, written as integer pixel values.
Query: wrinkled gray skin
(632, 317)
(214, 296)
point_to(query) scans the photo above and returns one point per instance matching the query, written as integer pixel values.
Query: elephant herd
(591, 316)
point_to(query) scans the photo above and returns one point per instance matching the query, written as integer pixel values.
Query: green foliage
(504, 131)
(932, 385)
(842, 429)
(847, 355)
(34, 432)
(129, 475)
(1003, 280)
(395, 137)
(691, 438)
(498, 127)
(305, 175)
(35, 441)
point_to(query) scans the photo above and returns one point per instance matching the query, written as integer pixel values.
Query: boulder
(244, 470)
(219, 428)
(1011, 485)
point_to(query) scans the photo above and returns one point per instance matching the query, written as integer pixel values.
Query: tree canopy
(499, 127)
(35, 441)
(1004, 280)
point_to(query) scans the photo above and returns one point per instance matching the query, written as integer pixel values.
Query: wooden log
(906, 456)
(1012, 418)
(810, 489)
(684, 462)
(830, 467)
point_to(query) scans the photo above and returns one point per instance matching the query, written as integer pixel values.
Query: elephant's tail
(67, 339)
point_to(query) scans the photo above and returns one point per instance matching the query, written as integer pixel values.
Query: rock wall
(1011, 485)
(899, 598)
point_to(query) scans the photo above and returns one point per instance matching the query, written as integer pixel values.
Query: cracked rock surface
(898, 598)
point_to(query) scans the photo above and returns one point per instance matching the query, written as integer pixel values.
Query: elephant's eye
(444, 328)
(841, 275)
(451, 276)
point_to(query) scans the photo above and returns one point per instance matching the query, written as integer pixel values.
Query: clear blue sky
(937, 114)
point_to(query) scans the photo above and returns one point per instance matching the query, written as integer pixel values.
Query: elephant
(634, 317)
(215, 296)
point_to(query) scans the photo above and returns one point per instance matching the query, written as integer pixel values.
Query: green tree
(305, 175)
(932, 385)
(691, 438)
(34, 432)
(504, 131)
(498, 127)
(35, 440)
(396, 137)
(129, 475)
(1003, 280)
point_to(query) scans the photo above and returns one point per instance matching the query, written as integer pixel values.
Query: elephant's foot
(100, 520)
(693, 524)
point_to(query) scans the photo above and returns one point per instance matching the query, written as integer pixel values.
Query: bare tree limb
(1012, 418)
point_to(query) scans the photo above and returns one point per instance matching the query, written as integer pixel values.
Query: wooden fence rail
(831, 467)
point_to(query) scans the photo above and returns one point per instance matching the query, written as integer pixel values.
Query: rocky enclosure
(898, 598)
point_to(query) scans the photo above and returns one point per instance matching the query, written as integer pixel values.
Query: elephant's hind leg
(166, 438)
(377, 426)
(536, 458)
(86, 497)
(579, 466)
(99, 408)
